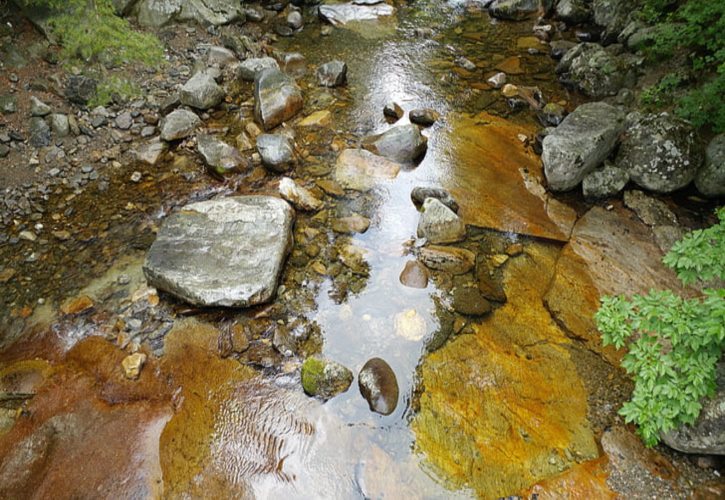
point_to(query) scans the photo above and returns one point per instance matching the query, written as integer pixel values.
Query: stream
(489, 405)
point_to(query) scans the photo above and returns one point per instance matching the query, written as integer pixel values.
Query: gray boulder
(222, 253)
(573, 11)
(660, 152)
(277, 98)
(605, 182)
(342, 13)
(515, 9)
(580, 144)
(379, 386)
(39, 132)
(332, 74)
(710, 181)
(595, 71)
(179, 124)
(277, 152)
(707, 435)
(403, 143)
(157, 13)
(201, 92)
(613, 16)
(440, 224)
(219, 157)
(59, 124)
(250, 68)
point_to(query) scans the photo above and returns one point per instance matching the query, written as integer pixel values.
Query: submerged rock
(301, 198)
(580, 144)
(410, 325)
(440, 224)
(361, 170)
(379, 386)
(352, 224)
(219, 156)
(325, 379)
(227, 252)
(277, 98)
(660, 152)
(414, 275)
(201, 92)
(277, 152)
(470, 301)
(449, 259)
(332, 74)
(710, 181)
(420, 194)
(179, 124)
(403, 143)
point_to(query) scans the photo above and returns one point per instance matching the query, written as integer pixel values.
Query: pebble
(136, 176)
(132, 365)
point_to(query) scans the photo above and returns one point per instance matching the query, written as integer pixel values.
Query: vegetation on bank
(673, 343)
(693, 29)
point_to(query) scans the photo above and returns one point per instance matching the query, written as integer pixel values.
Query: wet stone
(424, 117)
(179, 124)
(450, 259)
(439, 224)
(277, 152)
(227, 252)
(352, 224)
(132, 365)
(201, 92)
(393, 111)
(277, 98)
(219, 157)
(403, 143)
(332, 74)
(250, 68)
(379, 386)
(420, 194)
(300, 197)
(325, 379)
(414, 275)
(361, 170)
(470, 302)
(151, 152)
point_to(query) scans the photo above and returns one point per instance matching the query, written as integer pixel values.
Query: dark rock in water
(277, 98)
(393, 111)
(277, 152)
(325, 379)
(80, 89)
(419, 195)
(660, 152)
(332, 74)
(424, 117)
(379, 386)
(179, 124)
(707, 435)
(580, 144)
(283, 30)
(39, 132)
(222, 253)
(710, 181)
(403, 143)
(470, 301)
(219, 157)
(414, 275)
(201, 92)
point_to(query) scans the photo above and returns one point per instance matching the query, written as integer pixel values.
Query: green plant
(90, 31)
(673, 343)
(661, 93)
(114, 88)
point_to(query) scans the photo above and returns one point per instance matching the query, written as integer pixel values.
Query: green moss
(114, 88)
(313, 370)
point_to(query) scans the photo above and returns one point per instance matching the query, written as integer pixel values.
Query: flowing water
(498, 407)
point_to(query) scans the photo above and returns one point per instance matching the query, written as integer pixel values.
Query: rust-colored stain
(582, 482)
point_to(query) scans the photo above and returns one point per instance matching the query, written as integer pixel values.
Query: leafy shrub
(90, 31)
(674, 343)
(696, 27)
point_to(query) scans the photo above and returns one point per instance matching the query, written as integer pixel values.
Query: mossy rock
(325, 379)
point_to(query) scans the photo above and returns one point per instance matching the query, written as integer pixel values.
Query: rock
(393, 111)
(707, 435)
(59, 124)
(317, 119)
(470, 301)
(613, 16)
(201, 92)
(497, 81)
(573, 11)
(580, 144)
(300, 197)
(77, 305)
(343, 13)
(332, 74)
(124, 121)
(179, 124)
(439, 224)
(379, 386)
(350, 225)
(605, 182)
(157, 13)
(410, 325)
(277, 98)
(325, 379)
(710, 181)
(294, 20)
(559, 48)
(403, 143)
(490, 288)
(250, 68)
(219, 157)
(8, 104)
(361, 170)
(227, 252)
(38, 107)
(353, 257)
(424, 117)
(220, 56)
(39, 133)
(595, 71)
(132, 365)
(649, 209)
(151, 152)
(420, 194)
(80, 89)
(509, 90)
(449, 259)
(552, 115)
(660, 152)
(277, 152)
(414, 275)
(514, 9)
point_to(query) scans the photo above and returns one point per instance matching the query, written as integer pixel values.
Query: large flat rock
(343, 13)
(226, 252)
(610, 253)
(362, 170)
(499, 182)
